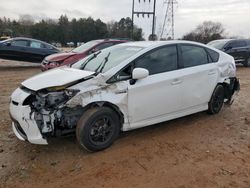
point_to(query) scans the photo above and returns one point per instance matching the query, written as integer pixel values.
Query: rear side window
(237, 44)
(193, 56)
(213, 55)
(158, 61)
(34, 44)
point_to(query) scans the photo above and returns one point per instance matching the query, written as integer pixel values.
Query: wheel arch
(110, 105)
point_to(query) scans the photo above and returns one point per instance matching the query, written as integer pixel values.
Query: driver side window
(160, 60)
(19, 43)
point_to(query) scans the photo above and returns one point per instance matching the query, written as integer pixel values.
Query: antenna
(145, 14)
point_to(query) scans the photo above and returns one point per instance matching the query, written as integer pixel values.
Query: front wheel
(217, 100)
(97, 129)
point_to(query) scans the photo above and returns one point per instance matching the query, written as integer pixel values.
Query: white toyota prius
(121, 88)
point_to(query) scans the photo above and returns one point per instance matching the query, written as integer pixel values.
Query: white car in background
(124, 87)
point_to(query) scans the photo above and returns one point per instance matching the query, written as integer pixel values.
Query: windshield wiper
(89, 59)
(102, 65)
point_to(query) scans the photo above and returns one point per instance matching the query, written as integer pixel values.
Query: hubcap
(101, 131)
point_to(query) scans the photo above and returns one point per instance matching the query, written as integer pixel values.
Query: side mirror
(140, 73)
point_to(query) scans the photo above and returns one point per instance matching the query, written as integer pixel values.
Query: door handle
(176, 81)
(211, 72)
(121, 91)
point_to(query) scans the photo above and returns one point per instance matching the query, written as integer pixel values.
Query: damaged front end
(38, 115)
(49, 110)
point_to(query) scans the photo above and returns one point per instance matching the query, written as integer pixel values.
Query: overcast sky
(234, 14)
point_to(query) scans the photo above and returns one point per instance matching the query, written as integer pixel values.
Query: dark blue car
(26, 48)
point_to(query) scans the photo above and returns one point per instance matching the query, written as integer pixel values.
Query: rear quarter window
(213, 55)
(194, 55)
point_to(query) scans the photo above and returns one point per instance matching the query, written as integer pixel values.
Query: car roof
(147, 44)
(223, 40)
(111, 40)
(30, 39)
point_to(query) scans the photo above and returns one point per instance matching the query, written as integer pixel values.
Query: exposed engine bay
(51, 114)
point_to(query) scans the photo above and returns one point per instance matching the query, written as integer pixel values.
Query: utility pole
(172, 8)
(133, 9)
(138, 13)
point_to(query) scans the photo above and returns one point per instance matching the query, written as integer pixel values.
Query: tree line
(64, 30)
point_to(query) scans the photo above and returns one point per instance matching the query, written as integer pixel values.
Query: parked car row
(238, 48)
(121, 88)
(61, 59)
(51, 57)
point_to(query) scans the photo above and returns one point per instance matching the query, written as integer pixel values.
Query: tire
(97, 129)
(217, 100)
(247, 62)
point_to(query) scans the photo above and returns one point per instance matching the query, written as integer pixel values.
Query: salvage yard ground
(195, 151)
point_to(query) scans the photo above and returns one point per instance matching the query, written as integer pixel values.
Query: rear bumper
(230, 89)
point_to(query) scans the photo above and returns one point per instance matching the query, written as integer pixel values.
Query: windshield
(218, 44)
(85, 46)
(106, 59)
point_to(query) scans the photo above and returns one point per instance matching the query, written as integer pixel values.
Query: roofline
(26, 38)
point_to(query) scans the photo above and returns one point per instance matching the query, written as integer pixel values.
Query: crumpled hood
(55, 77)
(59, 56)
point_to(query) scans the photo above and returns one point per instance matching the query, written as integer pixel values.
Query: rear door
(198, 75)
(37, 50)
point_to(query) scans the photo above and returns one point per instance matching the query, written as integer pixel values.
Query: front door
(154, 97)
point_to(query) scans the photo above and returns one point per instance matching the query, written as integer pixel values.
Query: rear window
(213, 55)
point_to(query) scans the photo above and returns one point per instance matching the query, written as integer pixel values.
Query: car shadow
(21, 59)
(164, 127)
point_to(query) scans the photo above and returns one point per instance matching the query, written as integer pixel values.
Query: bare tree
(26, 19)
(206, 32)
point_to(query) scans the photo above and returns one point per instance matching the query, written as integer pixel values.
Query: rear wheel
(217, 100)
(97, 129)
(247, 63)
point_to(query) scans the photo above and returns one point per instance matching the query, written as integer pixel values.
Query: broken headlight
(51, 98)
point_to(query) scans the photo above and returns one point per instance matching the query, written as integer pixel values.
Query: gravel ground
(195, 151)
(6, 63)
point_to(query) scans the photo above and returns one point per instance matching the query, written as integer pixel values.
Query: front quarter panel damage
(115, 94)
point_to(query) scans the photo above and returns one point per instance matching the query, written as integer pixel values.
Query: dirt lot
(196, 151)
